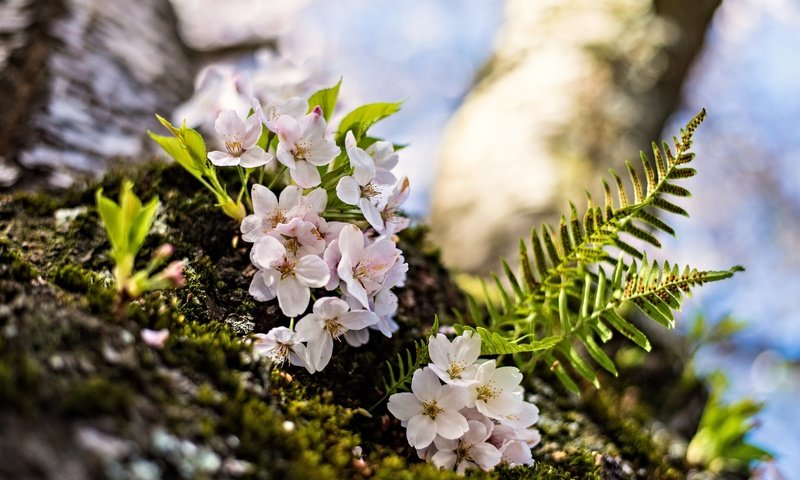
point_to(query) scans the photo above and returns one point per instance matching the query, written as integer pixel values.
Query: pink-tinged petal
(318, 199)
(351, 243)
(323, 152)
(355, 289)
(485, 455)
(450, 424)
(348, 190)
(305, 174)
(476, 433)
(259, 289)
(222, 159)
(359, 319)
(288, 131)
(309, 328)
(442, 443)
(516, 452)
(252, 228)
(312, 126)
(255, 157)
(356, 338)
(154, 338)
(290, 197)
(264, 201)
(293, 296)
(400, 193)
(320, 351)
(425, 385)
(312, 271)
(371, 213)
(330, 307)
(253, 133)
(229, 126)
(285, 156)
(438, 347)
(404, 406)
(360, 160)
(452, 398)
(332, 257)
(421, 431)
(444, 459)
(382, 254)
(298, 356)
(266, 251)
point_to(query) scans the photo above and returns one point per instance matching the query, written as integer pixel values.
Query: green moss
(12, 265)
(36, 204)
(96, 396)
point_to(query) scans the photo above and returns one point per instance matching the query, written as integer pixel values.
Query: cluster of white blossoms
(464, 412)
(298, 244)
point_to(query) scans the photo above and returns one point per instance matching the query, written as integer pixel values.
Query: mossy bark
(82, 396)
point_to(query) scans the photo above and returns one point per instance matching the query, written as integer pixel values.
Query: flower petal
(255, 157)
(259, 289)
(452, 397)
(229, 126)
(312, 271)
(358, 319)
(451, 424)
(404, 406)
(485, 455)
(351, 243)
(371, 213)
(266, 251)
(425, 385)
(348, 190)
(293, 296)
(444, 459)
(264, 200)
(421, 431)
(222, 159)
(305, 174)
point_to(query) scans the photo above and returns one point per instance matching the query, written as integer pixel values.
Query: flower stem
(274, 180)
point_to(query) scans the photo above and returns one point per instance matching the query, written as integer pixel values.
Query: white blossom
(302, 147)
(496, 393)
(330, 319)
(285, 276)
(240, 138)
(430, 409)
(281, 344)
(469, 451)
(454, 362)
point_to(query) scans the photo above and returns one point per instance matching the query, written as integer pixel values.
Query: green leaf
(111, 216)
(175, 149)
(141, 224)
(362, 118)
(326, 100)
(627, 329)
(493, 343)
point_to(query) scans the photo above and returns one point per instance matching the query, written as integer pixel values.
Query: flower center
(487, 392)
(280, 352)
(431, 409)
(334, 327)
(369, 190)
(462, 452)
(286, 268)
(234, 148)
(359, 271)
(301, 151)
(291, 244)
(275, 218)
(456, 369)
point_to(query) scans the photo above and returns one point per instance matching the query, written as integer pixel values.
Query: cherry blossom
(363, 268)
(281, 344)
(430, 409)
(269, 211)
(469, 451)
(330, 319)
(358, 189)
(294, 107)
(240, 138)
(385, 159)
(454, 362)
(285, 276)
(391, 220)
(302, 147)
(497, 392)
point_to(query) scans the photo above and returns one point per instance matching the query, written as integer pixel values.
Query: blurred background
(512, 108)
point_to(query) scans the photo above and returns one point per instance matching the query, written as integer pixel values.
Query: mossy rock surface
(82, 396)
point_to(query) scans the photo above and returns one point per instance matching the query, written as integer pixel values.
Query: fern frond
(563, 305)
(398, 377)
